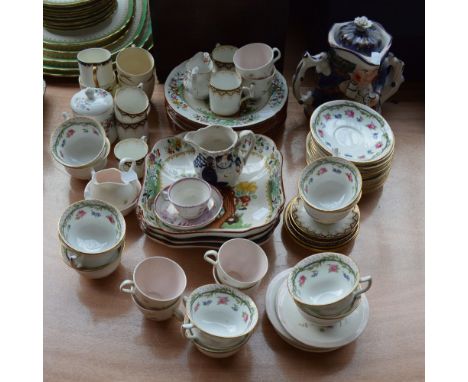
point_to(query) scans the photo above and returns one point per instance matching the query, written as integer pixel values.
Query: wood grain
(92, 332)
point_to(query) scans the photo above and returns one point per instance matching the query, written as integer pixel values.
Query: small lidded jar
(98, 104)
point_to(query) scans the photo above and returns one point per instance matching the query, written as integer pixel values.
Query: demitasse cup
(256, 61)
(261, 87)
(158, 283)
(190, 196)
(330, 188)
(131, 112)
(132, 149)
(223, 316)
(240, 263)
(222, 56)
(326, 284)
(225, 92)
(95, 65)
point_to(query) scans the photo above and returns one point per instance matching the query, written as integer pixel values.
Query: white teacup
(131, 112)
(326, 284)
(222, 56)
(240, 263)
(261, 87)
(158, 282)
(95, 65)
(190, 196)
(132, 150)
(256, 61)
(226, 91)
(223, 316)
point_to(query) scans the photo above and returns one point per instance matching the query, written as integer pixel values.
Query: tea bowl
(223, 316)
(80, 144)
(92, 231)
(330, 188)
(326, 284)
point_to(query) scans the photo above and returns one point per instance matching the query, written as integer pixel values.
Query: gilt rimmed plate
(168, 214)
(252, 204)
(198, 111)
(333, 336)
(351, 131)
(101, 33)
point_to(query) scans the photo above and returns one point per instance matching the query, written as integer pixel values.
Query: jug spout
(213, 139)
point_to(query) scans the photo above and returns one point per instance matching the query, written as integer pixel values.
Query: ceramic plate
(338, 335)
(270, 307)
(255, 201)
(358, 133)
(199, 112)
(169, 215)
(97, 34)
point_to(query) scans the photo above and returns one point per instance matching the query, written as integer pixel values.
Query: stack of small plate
(76, 14)
(316, 236)
(298, 331)
(354, 132)
(129, 24)
(188, 113)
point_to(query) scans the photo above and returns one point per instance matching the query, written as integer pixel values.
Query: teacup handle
(122, 163)
(249, 90)
(245, 135)
(95, 78)
(208, 259)
(130, 290)
(144, 138)
(366, 279)
(276, 50)
(187, 331)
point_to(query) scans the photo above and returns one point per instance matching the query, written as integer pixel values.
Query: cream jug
(220, 153)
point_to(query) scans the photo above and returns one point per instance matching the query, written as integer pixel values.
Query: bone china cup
(158, 283)
(255, 61)
(190, 196)
(326, 284)
(225, 92)
(222, 315)
(131, 112)
(132, 149)
(222, 56)
(240, 263)
(96, 69)
(80, 144)
(330, 188)
(92, 231)
(261, 87)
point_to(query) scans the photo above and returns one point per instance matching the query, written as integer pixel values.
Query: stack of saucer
(319, 306)
(219, 320)
(354, 132)
(325, 215)
(76, 14)
(92, 237)
(311, 234)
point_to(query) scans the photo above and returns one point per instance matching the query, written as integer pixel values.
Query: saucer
(168, 214)
(270, 307)
(333, 336)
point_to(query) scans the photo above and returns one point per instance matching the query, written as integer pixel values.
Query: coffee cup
(131, 112)
(132, 150)
(222, 56)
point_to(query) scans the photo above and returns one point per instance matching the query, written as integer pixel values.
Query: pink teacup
(256, 61)
(240, 263)
(158, 282)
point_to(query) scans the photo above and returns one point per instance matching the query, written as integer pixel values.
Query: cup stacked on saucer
(354, 132)
(92, 237)
(319, 304)
(325, 215)
(219, 320)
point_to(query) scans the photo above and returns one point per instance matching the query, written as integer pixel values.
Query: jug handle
(244, 136)
(394, 78)
(321, 65)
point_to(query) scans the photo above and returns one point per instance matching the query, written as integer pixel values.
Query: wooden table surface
(92, 332)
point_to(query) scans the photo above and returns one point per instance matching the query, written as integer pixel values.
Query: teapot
(358, 66)
(220, 153)
(197, 76)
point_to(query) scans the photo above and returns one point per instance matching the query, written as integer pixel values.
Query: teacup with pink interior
(240, 263)
(256, 61)
(158, 283)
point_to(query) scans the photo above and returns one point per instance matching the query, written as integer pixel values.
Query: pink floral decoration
(350, 178)
(245, 316)
(327, 116)
(110, 218)
(349, 113)
(302, 280)
(333, 268)
(371, 126)
(80, 214)
(222, 300)
(321, 171)
(378, 145)
(320, 133)
(70, 133)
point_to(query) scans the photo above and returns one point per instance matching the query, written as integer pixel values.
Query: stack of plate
(129, 24)
(297, 331)
(76, 14)
(188, 113)
(319, 237)
(354, 132)
(249, 210)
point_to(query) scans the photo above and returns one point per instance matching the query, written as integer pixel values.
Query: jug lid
(364, 37)
(92, 102)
